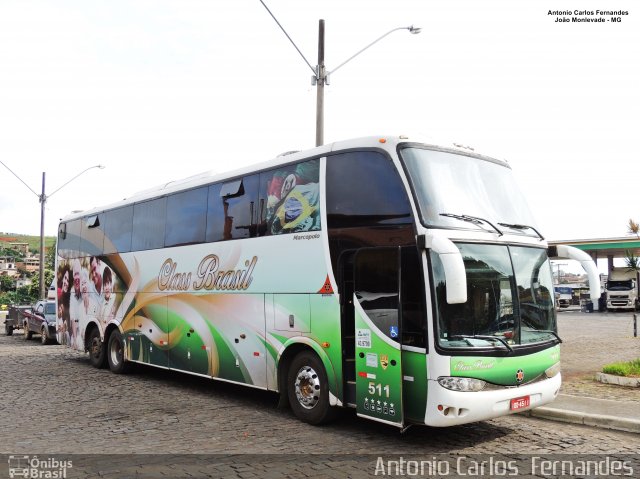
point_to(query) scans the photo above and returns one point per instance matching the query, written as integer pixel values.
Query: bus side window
(364, 189)
(233, 209)
(69, 239)
(149, 224)
(92, 235)
(117, 226)
(290, 199)
(186, 217)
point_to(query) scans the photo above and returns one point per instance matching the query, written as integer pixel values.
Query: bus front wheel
(308, 389)
(115, 354)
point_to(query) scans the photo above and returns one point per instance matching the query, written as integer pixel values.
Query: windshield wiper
(472, 219)
(548, 331)
(522, 227)
(479, 336)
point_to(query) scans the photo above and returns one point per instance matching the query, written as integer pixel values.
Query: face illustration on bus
(76, 277)
(288, 184)
(65, 281)
(84, 287)
(95, 273)
(107, 283)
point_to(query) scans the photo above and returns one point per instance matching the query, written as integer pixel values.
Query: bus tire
(308, 389)
(97, 353)
(115, 354)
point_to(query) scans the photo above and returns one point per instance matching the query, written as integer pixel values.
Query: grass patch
(627, 369)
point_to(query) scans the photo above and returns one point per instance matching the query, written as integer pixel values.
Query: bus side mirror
(454, 271)
(569, 252)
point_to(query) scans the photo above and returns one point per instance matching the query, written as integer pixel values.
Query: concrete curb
(597, 420)
(618, 380)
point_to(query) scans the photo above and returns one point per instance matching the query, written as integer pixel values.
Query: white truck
(564, 296)
(622, 289)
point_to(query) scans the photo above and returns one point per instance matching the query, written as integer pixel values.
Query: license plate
(520, 403)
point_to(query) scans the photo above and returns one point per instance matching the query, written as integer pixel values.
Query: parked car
(41, 320)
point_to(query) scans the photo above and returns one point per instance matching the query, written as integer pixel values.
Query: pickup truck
(41, 319)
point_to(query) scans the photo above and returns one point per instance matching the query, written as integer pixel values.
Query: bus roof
(388, 143)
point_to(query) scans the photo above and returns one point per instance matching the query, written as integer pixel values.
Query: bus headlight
(553, 370)
(461, 384)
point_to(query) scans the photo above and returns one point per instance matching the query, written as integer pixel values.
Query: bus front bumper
(448, 408)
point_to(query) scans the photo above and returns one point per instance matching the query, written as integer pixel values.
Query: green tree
(50, 258)
(7, 283)
(34, 287)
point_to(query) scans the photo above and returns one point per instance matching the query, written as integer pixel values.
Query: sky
(161, 90)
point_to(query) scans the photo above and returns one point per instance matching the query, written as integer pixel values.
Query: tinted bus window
(233, 209)
(376, 287)
(117, 230)
(91, 235)
(148, 224)
(186, 217)
(364, 189)
(290, 199)
(69, 238)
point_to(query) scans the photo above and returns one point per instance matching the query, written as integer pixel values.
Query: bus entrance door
(376, 301)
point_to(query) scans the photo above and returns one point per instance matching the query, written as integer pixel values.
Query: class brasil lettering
(208, 276)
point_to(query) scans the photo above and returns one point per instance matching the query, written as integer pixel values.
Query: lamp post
(558, 266)
(42, 198)
(320, 76)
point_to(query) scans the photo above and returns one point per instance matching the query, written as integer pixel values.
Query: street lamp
(320, 76)
(42, 198)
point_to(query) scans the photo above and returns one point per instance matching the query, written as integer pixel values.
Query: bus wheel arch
(304, 382)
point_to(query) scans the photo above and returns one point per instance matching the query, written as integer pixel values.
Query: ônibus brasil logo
(519, 376)
(34, 467)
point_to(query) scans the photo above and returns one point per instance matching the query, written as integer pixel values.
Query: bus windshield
(620, 285)
(451, 187)
(509, 299)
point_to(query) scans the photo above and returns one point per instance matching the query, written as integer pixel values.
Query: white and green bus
(402, 279)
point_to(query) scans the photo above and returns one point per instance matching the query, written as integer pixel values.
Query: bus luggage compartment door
(377, 335)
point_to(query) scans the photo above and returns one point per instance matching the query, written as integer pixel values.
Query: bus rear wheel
(308, 389)
(115, 354)
(97, 355)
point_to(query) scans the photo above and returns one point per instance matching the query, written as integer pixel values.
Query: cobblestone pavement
(54, 402)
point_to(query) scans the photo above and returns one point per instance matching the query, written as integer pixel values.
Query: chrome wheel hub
(307, 387)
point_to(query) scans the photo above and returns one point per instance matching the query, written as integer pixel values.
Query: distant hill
(34, 241)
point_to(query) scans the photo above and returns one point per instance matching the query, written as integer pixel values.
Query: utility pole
(320, 76)
(320, 79)
(42, 197)
(558, 265)
(43, 200)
